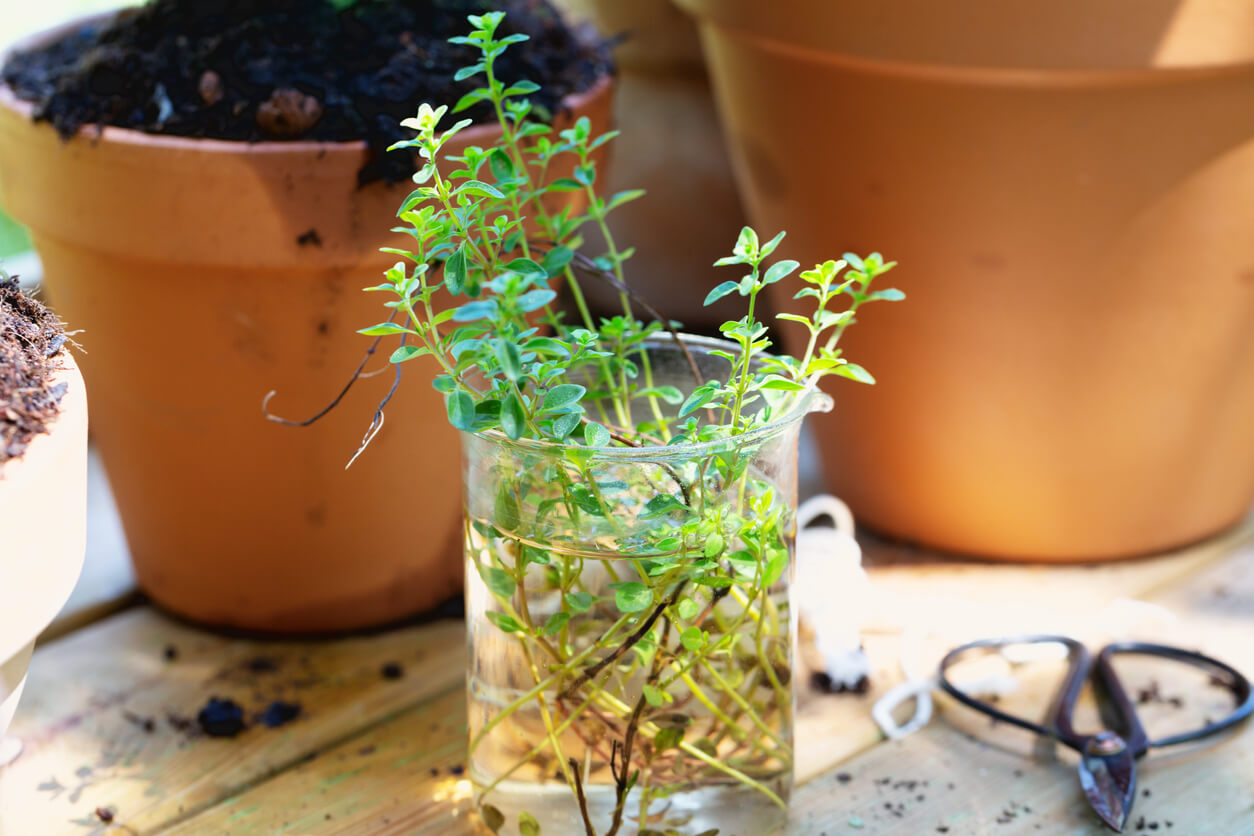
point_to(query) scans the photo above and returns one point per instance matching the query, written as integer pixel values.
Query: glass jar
(629, 625)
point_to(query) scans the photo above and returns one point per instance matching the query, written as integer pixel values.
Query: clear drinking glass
(629, 625)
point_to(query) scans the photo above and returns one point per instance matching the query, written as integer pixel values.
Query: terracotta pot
(1072, 376)
(43, 528)
(672, 148)
(208, 273)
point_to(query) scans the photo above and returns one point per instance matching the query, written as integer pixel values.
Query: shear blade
(1109, 784)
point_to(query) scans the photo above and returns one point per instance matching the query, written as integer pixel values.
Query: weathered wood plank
(405, 777)
(390, 788)
(83, 717)
(376, 741)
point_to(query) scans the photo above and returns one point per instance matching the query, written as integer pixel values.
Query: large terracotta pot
(43, 535)
(672, 148)
(1067, 187)
(208, 273)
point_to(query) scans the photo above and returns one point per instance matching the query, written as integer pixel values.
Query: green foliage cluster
(489, 236)
(648, 598)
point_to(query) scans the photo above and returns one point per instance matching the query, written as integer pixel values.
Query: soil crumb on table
(31, 339)
(253, 70)
(221, 718)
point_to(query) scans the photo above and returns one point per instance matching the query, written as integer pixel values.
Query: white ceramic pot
(43, 534)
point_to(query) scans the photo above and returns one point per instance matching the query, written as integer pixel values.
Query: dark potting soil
(255, 70)
(221, 718)
(279, 713)
(31, 337)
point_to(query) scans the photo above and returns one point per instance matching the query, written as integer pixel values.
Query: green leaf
(855, 372)
(527, 825)
(562, 396)
(527, 267)
(769, 246)
(385, 328)
(461, 75)
(692, 638)
(455, 271)
(461, 409)
(547, 346)
(555, 623)
(510, 358)
(479, 187)
(602, 139)
(668, 738)
(653, 696)
(505, 508)
(522, 88)
(556, 259)
(586, 175)
(586, 500)
(719, 292)
(776, 562)
(565, 184)
(534, 300)
(854, 261)
(579, 601)
(507, 623)
(888, 294)
(780, 383)
(670, 394)
(632, 596)
(501, 165)
(624, 197)
(661, 504)
(498, 581)
(494, 819)
(408, 352)
(688, 608)
(713, 545)
(513, 417)
(478, 309)
(595, 435)
(747, 243)
(472, 98)
(564, 425)
(699, 398)
(779, 270)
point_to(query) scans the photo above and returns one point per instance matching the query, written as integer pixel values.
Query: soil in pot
(31, 337)
(255, 70)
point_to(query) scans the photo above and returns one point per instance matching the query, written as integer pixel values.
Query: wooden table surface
(107, 718)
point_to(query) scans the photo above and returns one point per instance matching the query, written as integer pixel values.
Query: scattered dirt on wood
(148, 724)
(261, 664)
(279, 713)
(824, 684)
(392, 670)
(221, 718)
(255, 70)
(31, 338)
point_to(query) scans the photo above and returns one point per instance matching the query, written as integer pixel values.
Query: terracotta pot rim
(129, 136)
(993, 76)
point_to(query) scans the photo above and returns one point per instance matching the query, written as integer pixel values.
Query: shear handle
(1232, 679)
(1073, 683)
